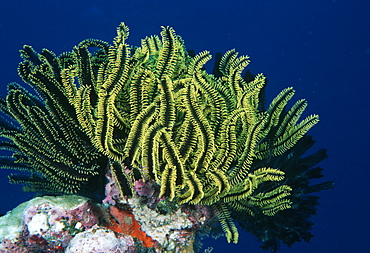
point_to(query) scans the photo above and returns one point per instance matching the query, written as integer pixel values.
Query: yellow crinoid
(204, 138)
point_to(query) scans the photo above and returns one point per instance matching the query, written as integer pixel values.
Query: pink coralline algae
(145, 189)
(112, 193)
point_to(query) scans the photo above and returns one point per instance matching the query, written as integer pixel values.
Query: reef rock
(46, 223)
(73, 223)
(101, 239)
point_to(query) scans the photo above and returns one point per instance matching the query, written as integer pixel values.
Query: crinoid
(205, 139)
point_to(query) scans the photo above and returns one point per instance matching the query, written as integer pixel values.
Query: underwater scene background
(321, 48)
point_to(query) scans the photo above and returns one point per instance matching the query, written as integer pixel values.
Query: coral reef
(46, 223)
(72, 223)
(148, 130)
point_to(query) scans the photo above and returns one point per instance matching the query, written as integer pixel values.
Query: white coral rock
(100, 239)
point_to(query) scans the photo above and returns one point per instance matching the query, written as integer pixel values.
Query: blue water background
(320, 47)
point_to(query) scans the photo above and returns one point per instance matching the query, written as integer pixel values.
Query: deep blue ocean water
(320, 47)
